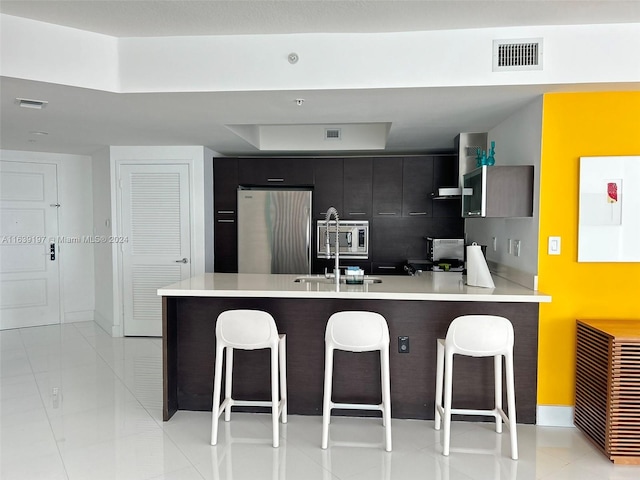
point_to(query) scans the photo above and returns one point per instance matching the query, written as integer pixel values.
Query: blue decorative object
(490, 158)
(478, 158)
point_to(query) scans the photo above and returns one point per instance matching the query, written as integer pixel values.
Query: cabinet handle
(474, 214)
(417, 213)
(357, 213)
(275, 179)
(382, 267)
(226, 221)
(226, 212)
(386, 213)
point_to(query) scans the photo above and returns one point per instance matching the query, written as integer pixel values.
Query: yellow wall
(579, 125)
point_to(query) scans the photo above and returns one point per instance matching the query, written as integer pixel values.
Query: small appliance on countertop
(445, 254)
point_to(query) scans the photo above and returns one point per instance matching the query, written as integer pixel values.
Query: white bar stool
(249, 330)
(477, 336)
(357, 332)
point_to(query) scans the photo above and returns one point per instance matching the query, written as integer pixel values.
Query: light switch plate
(554, 246)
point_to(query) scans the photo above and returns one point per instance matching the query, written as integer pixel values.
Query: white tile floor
(78, 404)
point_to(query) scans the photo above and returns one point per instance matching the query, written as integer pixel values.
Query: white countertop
(434, 286)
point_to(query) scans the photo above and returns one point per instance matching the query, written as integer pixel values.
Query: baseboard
(80, 316)
(554, 416)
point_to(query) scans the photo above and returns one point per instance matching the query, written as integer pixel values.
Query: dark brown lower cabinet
(189, 351)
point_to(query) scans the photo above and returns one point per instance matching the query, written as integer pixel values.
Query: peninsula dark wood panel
(190, 345)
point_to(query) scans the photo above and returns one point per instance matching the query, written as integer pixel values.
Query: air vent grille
(517, 54)
(332, 134)
(472, 150)
(30, 103)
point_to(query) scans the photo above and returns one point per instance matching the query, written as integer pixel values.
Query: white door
(29, 280)
(157, 249)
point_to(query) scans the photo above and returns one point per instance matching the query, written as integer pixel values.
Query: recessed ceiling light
(30, 103)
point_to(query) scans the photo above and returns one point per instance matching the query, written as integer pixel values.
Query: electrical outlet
(403, 344)
(516, 248)
(495, 244)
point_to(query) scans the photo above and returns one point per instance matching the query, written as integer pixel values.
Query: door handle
(184, 260)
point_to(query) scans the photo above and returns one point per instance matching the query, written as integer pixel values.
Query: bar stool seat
(357, 331)
(249, 330)
(477, 336)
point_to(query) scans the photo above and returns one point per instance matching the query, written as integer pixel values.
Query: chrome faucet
(336, 270)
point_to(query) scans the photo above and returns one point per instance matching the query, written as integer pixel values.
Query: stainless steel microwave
(353, 239)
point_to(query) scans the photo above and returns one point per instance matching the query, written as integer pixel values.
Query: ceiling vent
(28, 103)
(511, 55)
(332, 134)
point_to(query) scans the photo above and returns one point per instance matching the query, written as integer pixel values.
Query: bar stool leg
(386, 396)
(326, 403)
(439, 380)
(448, 379)
(511, 403)
(228, 380)
(217, 381)
(275, 396)
(282, 361)
(497, 371)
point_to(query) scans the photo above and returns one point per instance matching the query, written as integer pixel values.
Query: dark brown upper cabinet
(358, 177)
(328, 190)
(275, 172)
(417, 185)
(387, 187)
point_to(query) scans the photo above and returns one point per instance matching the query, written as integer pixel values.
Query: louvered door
(157, 253)
(608, 386)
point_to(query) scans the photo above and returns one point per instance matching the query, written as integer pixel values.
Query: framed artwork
(609, 218)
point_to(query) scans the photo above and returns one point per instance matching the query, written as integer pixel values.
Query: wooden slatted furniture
(607, 406)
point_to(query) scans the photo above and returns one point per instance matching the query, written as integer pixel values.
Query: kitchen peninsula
(418, 307)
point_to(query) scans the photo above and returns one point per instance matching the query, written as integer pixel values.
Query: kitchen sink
(343, 280)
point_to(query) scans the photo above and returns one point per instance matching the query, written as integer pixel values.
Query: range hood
(466, 145)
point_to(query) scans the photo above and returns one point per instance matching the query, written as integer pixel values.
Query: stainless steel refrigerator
(274, 231)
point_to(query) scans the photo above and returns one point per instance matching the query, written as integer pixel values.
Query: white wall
(75, 219)
(571, 54)
(42, 51)
(518, 142)
(102, 225)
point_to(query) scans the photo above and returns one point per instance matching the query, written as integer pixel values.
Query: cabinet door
(328, 186)
(396, 240)
(225, 186)
(358, 177)
(275, 172)
(226, 246)
(417, 175)
(387, 187)
(445, 174)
